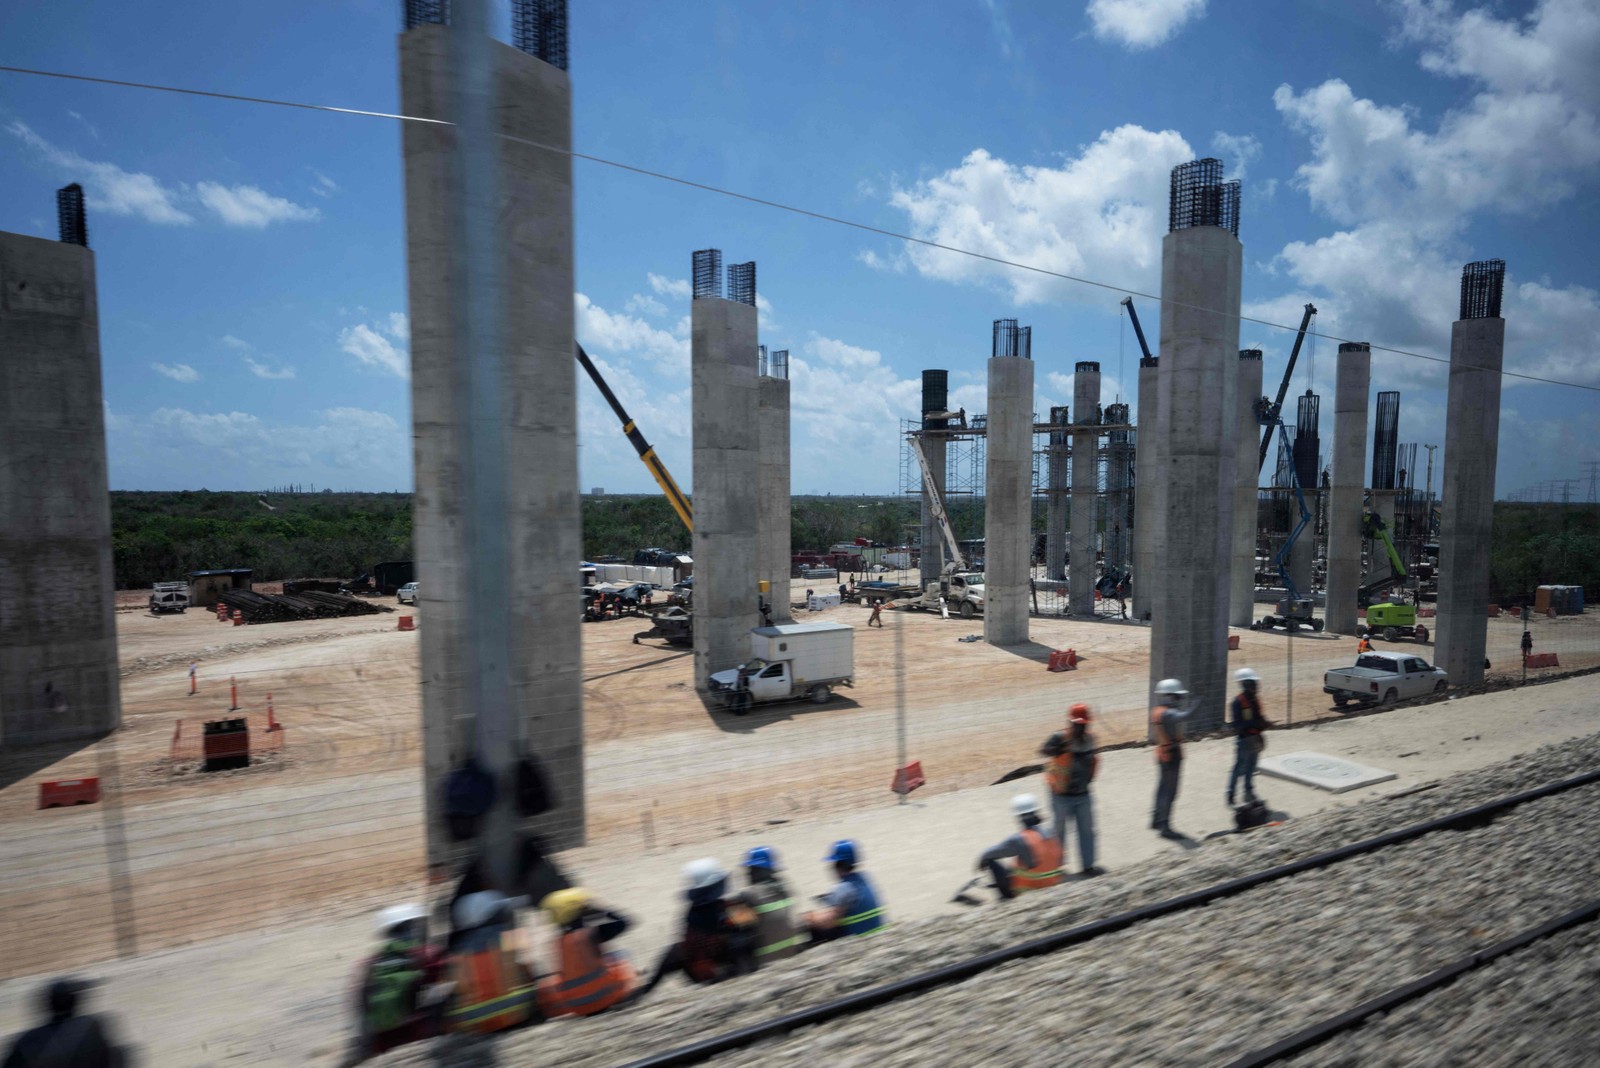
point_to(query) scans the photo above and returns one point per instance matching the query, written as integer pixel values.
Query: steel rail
(700, 1051)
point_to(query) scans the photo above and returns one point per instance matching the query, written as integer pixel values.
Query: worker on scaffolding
(1248, 722)
(1166, 728)
(852, 908)
(1034, 853)
(1072, 761)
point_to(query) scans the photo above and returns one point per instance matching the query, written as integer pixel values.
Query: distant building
(598, 491)
(205, 587)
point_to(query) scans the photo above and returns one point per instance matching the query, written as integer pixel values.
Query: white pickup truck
(1383, 679)
(962, 592)
(789, 661)
(169, 597)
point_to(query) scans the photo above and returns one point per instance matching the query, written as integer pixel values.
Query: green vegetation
(1544, 544)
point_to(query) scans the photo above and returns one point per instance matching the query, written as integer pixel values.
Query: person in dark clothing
(1527, 643)
(718, 941)
(1248, 723)
(66, 1040)
(1166, 729)
(1073, 761)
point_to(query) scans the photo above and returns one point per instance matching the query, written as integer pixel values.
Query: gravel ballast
(1198, 987)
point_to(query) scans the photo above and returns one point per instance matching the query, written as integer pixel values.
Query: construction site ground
(288, 858)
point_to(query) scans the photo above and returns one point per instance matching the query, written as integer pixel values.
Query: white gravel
(1195, 988)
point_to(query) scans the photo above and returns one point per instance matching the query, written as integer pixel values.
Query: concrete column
(726, 473)
(494, 409)
(1200, 284)
(1118, 459)
(1471, 451)
(1056, 497)
(1008, 477)
(58, 638)
(1246, 495)
(1085, 485)
(773, 422)
(1147, 508)
(1353, 380)
(935, 398)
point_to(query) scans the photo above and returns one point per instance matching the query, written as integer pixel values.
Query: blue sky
(251, 259)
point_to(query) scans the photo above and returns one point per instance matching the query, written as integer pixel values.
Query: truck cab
(961, 592)
(169, 597)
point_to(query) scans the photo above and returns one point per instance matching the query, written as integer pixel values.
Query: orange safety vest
(1058, 773)
(493, 992)
(588, 981)
(1363, 646)
(1046, 870)
(1168, 748)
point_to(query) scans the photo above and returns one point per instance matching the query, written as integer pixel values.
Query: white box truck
(787, 662)
(169, 597)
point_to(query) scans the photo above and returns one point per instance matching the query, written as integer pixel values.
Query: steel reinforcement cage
(1012, 340)
(1199, 197)
(1386, 440)
(70, 217)
(742, 283)
(1481, 286)
(1308, 441)
(539, 28)
(707, 273)
(419, 12)
(778, 364)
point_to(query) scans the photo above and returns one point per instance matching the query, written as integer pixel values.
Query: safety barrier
(908, 778)
(266, 737)
(60, 793)
(1063, 660)
(407, 623)
(1541, 660)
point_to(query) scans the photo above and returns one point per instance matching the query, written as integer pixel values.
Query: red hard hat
(1079, 713)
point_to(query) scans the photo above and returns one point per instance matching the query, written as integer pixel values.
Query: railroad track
(776, 1046)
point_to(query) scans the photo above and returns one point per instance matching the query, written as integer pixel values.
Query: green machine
(1390, 620)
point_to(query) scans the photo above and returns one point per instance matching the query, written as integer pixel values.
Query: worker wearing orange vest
(1071, 766)
(1364, 645)
(493, 991)
(1166, 729)
(1035, 853)
(588, 979)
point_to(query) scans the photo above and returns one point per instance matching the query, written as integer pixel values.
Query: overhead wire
(768, 203)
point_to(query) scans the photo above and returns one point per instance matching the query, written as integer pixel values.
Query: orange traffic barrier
(62, 792)
(238, 618)
(1427, 613)
(408, 623)
(1063, 660)
(908, 778)
(233, 688)
(1233, 641)
(1514, 610)
(1539, 660)
(1494, 610)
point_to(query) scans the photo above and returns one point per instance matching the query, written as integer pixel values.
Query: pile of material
(308, 604)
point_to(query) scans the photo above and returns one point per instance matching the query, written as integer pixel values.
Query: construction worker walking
(1166, 727)
(768, 897)
(1248, 723)
(1073, 762)
(876, 618)
(852, 908)
(1034, 852)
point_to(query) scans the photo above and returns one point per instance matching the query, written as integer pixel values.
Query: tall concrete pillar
(1085, 485)
(773, 420)
(1056, 497)
(1008, 471)
(1246, 491)
(726, 473)
(58, 637)
(1119, 460)
(494, 407)
(935, 398)
(1471, 451)
(1201, 267)
(1147, 508)
(1353, 379)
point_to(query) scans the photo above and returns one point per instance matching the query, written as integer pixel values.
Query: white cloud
(236, 343)
(1141, 23)
(106, 186)
(261, 370)
(1100, 213)
(399, 327)
(250, 207)
(1237, 150)
(626, 335)
(178, 372)
(640, 304)
(671, 287)
(257, 451)
(372, 349)
(1002, 28)
(325, 186)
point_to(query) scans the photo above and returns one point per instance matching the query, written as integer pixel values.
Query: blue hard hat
(844, 852)
(762, 857)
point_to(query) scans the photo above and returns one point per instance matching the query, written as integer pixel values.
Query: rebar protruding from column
(539, 28)
(1481, 286)
(778, 364)
(1199, 197)
(742, 283)
(1012, 340)
(1385, 439)
(70, 215)
(419, 12)
(707, 273)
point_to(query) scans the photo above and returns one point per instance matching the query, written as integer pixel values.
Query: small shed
(390, 576)
(206, 586)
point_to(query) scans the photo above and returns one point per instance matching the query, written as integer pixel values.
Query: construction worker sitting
(768, 898)
(588, 980)
(493, 990)
(1034, 852)
(1364, 645)
(398, 999)
(852, 907)
(718, 942)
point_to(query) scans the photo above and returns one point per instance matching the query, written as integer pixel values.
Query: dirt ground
(334, 820)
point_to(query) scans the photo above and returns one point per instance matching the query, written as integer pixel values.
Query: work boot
(1172, 835)
(1091, 872)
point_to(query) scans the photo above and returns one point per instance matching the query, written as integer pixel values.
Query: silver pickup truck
(1384, 678)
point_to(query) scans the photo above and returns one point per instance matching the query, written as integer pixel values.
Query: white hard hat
(1246, 675)
(1023, 804)
(702, 873)
(1172, 686)
(395, 915)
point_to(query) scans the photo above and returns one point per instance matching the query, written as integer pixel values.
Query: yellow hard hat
(564, 906)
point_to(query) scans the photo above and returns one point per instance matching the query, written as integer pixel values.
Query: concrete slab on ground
(1323, 772)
